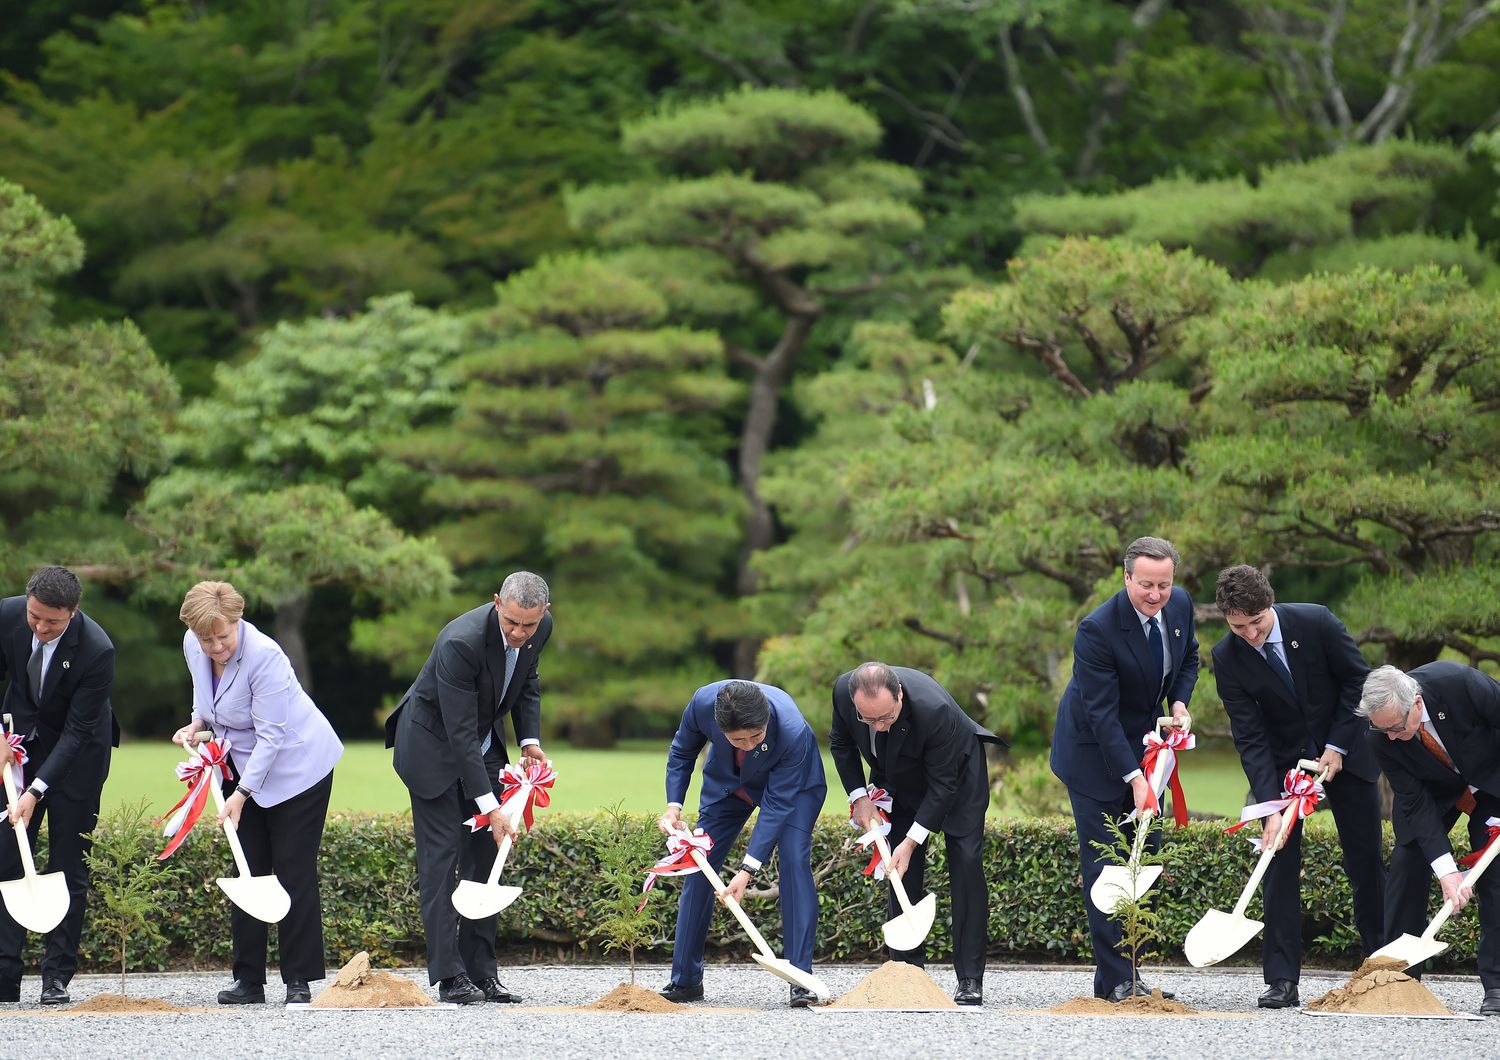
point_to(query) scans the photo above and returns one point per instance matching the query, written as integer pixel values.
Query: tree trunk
(291, 613)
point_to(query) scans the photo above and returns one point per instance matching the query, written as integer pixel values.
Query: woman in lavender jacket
(282, 750)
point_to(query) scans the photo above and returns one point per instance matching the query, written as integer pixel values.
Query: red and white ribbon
(883, 803)
(1468, 861)
(533, 780)
(16, 740)
(1297, 789)
(197, 773)
(1164, 749)
(679, 860)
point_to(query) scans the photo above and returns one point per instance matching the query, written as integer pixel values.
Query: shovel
(1221, 935)
(1415, 949)
(476, 900)
(37, 903)
(263, 897)
(908, 930)
(766, 958)
(1118, 884)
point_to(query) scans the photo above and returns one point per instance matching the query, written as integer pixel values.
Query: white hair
(1388, 687)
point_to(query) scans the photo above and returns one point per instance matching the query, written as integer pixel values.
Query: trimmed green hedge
(1036, 902)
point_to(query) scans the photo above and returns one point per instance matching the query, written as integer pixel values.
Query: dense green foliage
(1036, 902)
(775, 335)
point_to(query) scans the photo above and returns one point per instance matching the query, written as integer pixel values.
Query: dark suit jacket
(1464, 706)
(926, 759)
(440, 723)
(783, 776)
(69, 733)
(1272, 728)
(1111, 703)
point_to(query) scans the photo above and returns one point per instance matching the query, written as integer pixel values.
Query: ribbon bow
(883, 803)
(679, 860)
(197, 773)
(18, 750)
(1165, 748)
(1297, 789)
(534, 780)
(1468, 861)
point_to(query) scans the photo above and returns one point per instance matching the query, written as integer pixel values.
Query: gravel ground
(772, 1031)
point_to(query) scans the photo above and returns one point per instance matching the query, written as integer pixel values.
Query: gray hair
(1151, 548)
(1388, 687)
(871, 677)
(525, 589)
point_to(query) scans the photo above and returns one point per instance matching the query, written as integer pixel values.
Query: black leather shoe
(494, 990)
(243, 994)
(1280, 994)
(802, 997)
(1491, 1006)
(969, 992)
(681, 992)
(1124, 990)
(297, 992)
(459, 990)
(55, 992)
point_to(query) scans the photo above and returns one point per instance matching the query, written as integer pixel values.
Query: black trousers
(966, 881)
(1111, 968)
(446, 853)
(283, 839)
(1410, 882)
(1355, 804)
(70, 822)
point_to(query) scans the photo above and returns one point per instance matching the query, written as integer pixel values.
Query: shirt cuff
(855, 794)
(530, 742)
(1128, 777)
(1335, 747)
(917, 834)
(487, 803)
(39, 784)
(1444, 866)
(753, 864)
(674, 805)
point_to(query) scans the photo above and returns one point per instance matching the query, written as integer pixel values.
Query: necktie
(510, 668)
(34, 672)
(1274, 659)
(1465, 802)
(1154, 646)
(740, 792)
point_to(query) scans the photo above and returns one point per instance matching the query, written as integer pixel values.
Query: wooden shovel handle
(1470, 878)
(513, 808)
(734, 907)
(230, 833)
(897, 883)
(28, 866)
(1288, 816)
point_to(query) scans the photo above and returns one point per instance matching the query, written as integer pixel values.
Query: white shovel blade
(263, 897)
(476, 900)
(792, 974)
(37, 903)
(1413, 949)
(909, 930)
(1217, 936)
(1114, 886)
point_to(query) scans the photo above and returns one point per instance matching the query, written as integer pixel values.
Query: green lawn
(587, 779)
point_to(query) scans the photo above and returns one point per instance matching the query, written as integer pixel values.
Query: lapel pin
(1442, 716)
(65, 664)
(1176, 632)
(1294, 644)
(765, 747)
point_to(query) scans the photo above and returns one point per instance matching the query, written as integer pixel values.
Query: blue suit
(1112, 701)
(784, 778)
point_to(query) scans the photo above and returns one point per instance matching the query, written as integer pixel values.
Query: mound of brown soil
(630, 998)
(1155, 1005)
(357, 986)
(896, 985)
(1381, 988)
(119, 1004)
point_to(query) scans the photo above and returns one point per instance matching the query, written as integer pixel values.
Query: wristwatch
(35, 792)
(747, 870)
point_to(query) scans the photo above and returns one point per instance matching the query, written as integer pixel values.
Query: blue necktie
(1154, 646)
(510, 668)
(1274, 658)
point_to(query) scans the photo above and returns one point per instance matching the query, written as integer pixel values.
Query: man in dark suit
(61, 667)
(1128, 654)
(449, 736)
(761, 753)
(929, 755)
(1290, 677)
(1436, 735)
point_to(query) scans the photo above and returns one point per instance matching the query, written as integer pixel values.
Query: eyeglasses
(1401, 726)
(882, 720)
